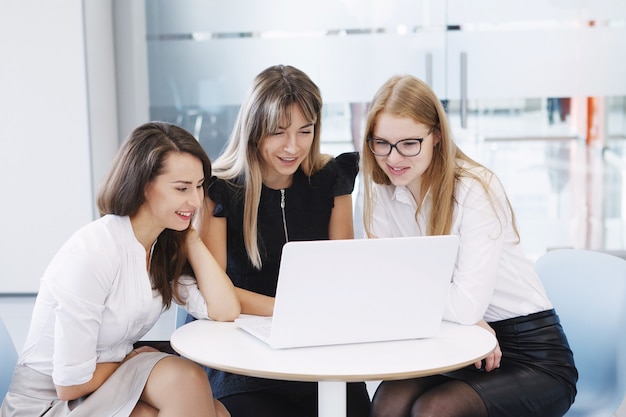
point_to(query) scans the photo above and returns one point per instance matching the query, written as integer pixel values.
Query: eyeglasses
(405, 147)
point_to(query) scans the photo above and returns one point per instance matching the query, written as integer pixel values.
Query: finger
(493, 360)
(489, 362)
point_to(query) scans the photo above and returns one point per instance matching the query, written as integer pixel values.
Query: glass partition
(204, 54)
(506, 71)
(529, 69)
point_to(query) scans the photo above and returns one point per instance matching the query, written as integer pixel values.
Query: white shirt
(95, 301)
(493, 279)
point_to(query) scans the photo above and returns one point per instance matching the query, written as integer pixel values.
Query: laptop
(333, 292)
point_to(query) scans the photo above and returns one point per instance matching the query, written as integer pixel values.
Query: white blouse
(493, 279)
(94, 302)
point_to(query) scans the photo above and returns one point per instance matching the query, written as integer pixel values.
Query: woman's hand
(492, 361)
(137, 351)
(215, 286)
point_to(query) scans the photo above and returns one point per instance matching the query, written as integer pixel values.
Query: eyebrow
(301, 127)
(186, 182)
(387, 140)
(414, 137)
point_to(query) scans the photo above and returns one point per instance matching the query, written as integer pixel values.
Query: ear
(436, 136)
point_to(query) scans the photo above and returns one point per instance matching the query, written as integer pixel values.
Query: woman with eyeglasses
(418, 182)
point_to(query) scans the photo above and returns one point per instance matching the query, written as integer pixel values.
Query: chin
(180, 228)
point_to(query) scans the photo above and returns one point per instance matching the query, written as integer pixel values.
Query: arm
(341, 226)
(482, 231)
(213, 233)
(216, 288)
(102, 372)
(79, 279)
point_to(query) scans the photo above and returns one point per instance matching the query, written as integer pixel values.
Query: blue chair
(588, 290)
(181, 316)
(8, 359)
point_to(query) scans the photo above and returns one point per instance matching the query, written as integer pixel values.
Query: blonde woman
(418, 182)
(274, 186)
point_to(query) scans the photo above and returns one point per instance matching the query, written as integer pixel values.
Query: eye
(380, 142)
(410, 143)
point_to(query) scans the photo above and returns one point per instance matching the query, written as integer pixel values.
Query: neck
(144, 231)
(278, 183)
(415, 189)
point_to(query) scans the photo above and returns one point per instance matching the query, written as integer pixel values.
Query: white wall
(46, 177)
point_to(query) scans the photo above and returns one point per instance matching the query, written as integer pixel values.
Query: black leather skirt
(537, 374)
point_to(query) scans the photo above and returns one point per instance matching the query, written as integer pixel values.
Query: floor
(565, 194)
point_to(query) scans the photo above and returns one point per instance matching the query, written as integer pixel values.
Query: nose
(394, 155)
(291, 143)
(196, 198)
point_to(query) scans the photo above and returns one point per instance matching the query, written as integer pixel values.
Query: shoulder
(103, 232)
(346, 163)
(479, 182)
(96, 250)
(340, 173)
(224, 193)
(220, 188)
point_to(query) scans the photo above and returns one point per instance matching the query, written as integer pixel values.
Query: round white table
(226, 347)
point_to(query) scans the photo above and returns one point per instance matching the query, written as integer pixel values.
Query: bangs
(278, 114)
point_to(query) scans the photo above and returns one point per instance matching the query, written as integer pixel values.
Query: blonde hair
(409, 97)
(266, 105)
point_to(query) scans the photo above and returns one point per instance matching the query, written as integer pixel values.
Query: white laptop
(362, 290)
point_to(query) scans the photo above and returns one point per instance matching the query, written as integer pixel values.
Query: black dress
(308, 203)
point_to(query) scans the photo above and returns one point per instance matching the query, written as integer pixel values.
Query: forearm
(102, 372)
(255, 303)
(215, 286)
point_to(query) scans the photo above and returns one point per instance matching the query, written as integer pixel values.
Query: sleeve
(79, 279)
(347, 170)
(483, 219)
(190, 294)
(219, 192)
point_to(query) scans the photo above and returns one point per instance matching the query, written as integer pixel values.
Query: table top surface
(224, 346)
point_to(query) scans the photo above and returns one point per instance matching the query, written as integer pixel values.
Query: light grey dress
(33, 394)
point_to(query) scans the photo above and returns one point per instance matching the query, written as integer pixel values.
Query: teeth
(288, 159)
(184, 213)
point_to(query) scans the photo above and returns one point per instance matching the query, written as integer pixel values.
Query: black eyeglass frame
(395, 145)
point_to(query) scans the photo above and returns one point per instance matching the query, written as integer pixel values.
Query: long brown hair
(410, 97)
(266, 105)
(138, 162)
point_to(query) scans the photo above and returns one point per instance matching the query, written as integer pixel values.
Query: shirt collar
(404, 196)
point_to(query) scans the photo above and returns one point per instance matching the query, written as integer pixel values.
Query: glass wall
(505, 69)
(509, 73)
(204, 54)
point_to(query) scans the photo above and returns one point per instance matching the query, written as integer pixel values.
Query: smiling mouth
(187, 214)
(287, 159)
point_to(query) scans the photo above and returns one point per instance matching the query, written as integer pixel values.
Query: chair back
(181, 316)
(588, 291)
(8, 359)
